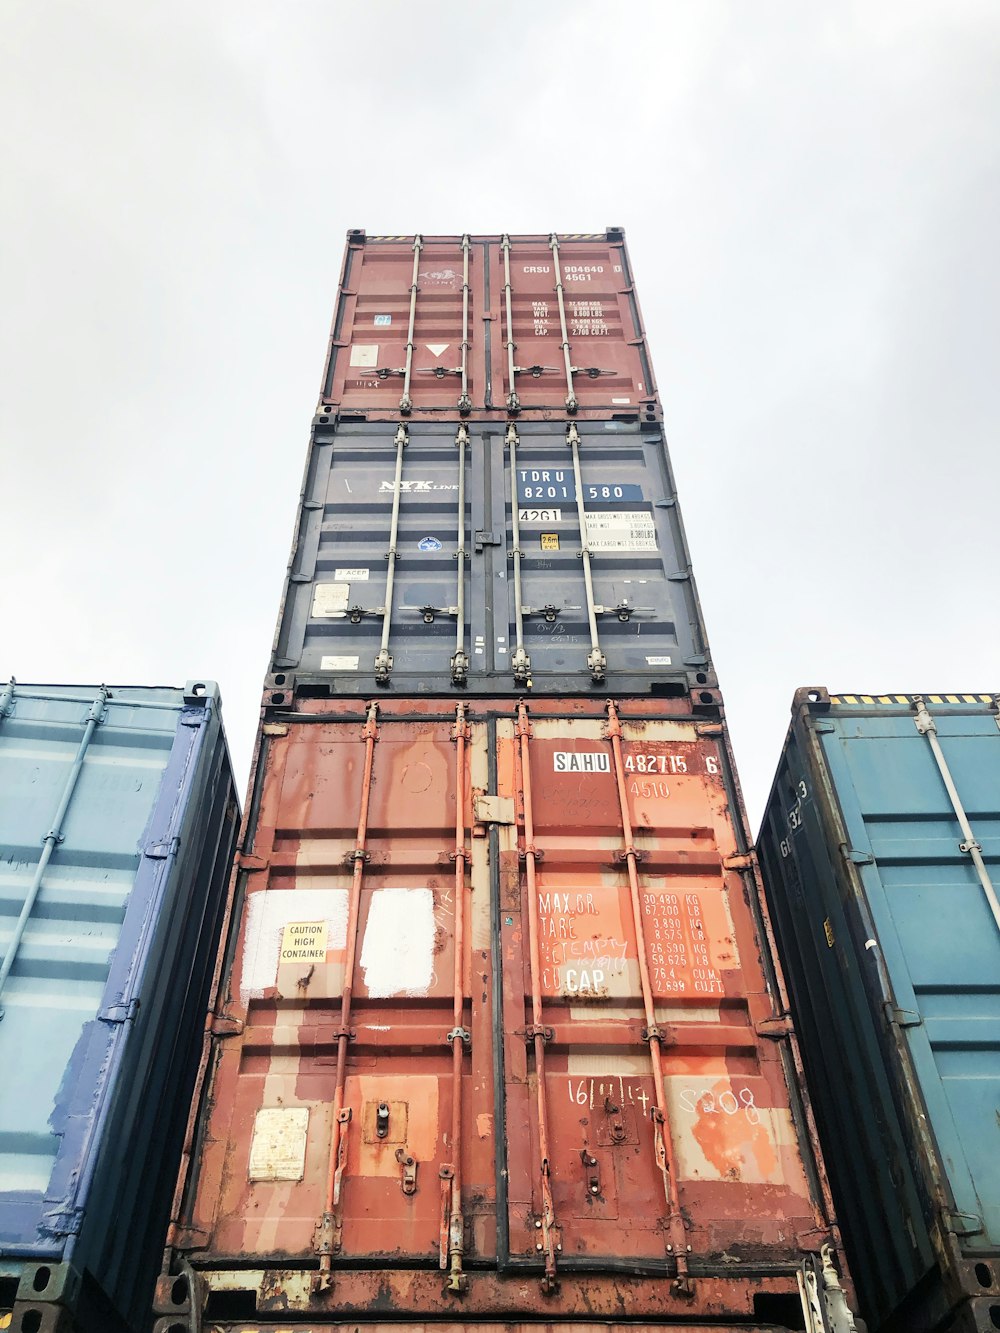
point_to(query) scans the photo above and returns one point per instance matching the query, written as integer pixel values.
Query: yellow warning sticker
(304, 941)
(549, 541)
(828, 932)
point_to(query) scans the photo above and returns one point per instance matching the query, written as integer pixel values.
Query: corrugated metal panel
(487, 326)
(888, 925)
(499, 993)
(117, 821)
(623, 617)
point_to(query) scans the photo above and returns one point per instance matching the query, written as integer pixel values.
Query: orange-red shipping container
(486, 327)
(498, 1036)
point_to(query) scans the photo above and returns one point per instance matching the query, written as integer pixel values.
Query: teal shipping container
(880, 852)
(118, 821)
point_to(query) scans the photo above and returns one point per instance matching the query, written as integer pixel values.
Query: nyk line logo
(414, 487)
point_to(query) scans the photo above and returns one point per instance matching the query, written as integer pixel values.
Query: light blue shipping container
(880, 851)
(118, 820)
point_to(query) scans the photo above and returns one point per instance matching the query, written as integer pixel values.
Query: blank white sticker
(278, 1145)
(330, 600)
(338, 663)
(397, 953)
(364, 354)
(350, 575)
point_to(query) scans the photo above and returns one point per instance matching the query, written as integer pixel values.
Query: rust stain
(736, 1144)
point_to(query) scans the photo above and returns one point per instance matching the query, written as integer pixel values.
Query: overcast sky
(810, 193)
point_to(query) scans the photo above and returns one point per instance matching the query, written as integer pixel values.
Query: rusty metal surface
(543, 325)
(587, 1109)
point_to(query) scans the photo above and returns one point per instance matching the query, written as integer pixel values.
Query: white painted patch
(657, 661)
(269, 911)
(364, 354)
(397, 953)
(334, 663)
(437, 348)
(621, 400)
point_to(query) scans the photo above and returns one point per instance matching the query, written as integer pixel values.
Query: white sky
(810, 193)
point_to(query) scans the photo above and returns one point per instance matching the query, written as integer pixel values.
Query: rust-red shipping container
(498, 1037)
(487, 326)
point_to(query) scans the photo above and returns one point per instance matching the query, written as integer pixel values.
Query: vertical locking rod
(596, 661)
(571, 402)
(54, 835)
(383, 659)
(520, 662)
(341, 1117)
(662, 1136)
(549, 1241)
(452, 1174)
(464, 401)
(926, 725)
(460, 659)
(513, 402)
(406, 402)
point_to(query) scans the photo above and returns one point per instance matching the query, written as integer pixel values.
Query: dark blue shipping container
(118, 819)
(880, 851)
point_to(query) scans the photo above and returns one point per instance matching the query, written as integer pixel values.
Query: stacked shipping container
(498, 1034)
(118, 822)
(879, 850)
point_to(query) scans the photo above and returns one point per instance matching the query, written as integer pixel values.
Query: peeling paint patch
(268, 913)
(398, 949)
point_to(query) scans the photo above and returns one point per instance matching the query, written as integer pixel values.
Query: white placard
(350, 575)
(364, 354)
(621, 530)
(657, 661)
(338, 664)
(330, 600)
(529, 515)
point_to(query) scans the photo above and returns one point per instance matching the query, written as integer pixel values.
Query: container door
(935, 927)
(391, 288)
(646, 621)
(607, 369)
(611, 926)
(381, 1150)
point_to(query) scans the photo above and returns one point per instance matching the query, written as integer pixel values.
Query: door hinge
(162, 851)
(776, 1028)
(119, 1013)
(961, 1224)
(224, 1026)
(857, 858)
(738, 861)
(902, 1018)
(250, 861)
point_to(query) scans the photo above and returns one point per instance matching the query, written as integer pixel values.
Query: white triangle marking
(437, 348)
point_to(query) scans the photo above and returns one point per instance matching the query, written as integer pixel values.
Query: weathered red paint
(512, 332)
(562, 1055)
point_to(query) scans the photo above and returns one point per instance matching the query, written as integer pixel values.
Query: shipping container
(487, 326)
(879, 850)
(498, 1036)
(118, 821)
(536, 556)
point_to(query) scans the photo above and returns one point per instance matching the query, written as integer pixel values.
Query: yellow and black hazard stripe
(883, 699)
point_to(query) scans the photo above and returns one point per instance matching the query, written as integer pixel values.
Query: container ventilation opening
(779, 1308)
(670, 689)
